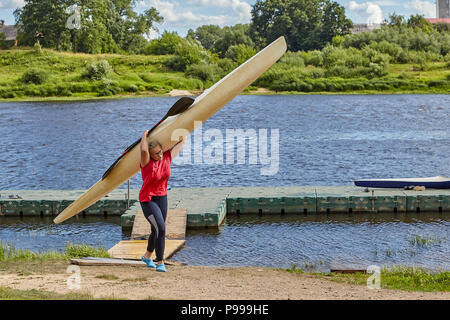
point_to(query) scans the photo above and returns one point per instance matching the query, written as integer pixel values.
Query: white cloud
(367, 11)
(386, 3)
(426, 8)
(180, 15)
(241, 8)
(11, 4)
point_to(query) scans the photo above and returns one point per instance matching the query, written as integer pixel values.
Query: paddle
(179, 107)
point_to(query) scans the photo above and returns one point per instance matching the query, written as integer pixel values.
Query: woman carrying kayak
(155, 170)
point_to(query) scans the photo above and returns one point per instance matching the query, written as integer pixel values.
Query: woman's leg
(156, 217)
(148, 210)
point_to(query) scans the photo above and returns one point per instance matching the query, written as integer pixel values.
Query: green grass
(15, 294)
(34, 294)
(132, 75)
(400, 278)
(9, 253)
(63, 77)
(421, 241)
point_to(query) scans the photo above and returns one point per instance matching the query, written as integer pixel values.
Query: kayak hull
(438, 182)
(169, 131)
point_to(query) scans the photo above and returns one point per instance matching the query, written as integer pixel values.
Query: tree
(218, 40)
(395, 20)
(419, 22)
(2, 40)
(208, 35)
(231, 36)
(306, 24)
(105, 25)
(133, 27)
(45, 16)
(334, 23)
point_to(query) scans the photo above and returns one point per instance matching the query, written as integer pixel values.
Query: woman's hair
(153, 143)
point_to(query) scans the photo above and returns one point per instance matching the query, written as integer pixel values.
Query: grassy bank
(400, 278)
(9, 253)
(34, 74)
(31, 74)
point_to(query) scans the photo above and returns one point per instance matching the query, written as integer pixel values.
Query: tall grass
(9, 253)
(398, 277)
(418, 240)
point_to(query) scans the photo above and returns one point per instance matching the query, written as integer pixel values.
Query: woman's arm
(176, 149)
(145, 155)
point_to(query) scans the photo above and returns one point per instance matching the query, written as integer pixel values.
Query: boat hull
(430, 183)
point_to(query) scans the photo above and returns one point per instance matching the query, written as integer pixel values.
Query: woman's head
(155, 150)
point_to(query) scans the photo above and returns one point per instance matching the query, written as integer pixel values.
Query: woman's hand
(177, 148)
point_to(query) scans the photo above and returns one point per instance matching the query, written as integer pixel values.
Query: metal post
(128, 198)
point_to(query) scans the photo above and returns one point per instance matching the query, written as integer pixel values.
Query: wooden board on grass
(135, 249)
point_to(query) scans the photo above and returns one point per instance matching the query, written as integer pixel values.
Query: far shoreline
(183, 93)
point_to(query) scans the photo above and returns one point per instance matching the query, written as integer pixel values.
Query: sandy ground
(195, 282)
(179, 93)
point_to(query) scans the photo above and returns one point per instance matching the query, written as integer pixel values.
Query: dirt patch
(262, 91)
(179, 93)
(196, 282)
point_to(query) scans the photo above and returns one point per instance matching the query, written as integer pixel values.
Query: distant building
(9, 31)
(365, 27)
(442, 9)
(438, 20)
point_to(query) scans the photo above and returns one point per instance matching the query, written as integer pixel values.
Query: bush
(63, 91)
(186, 54)
(37, 48)
(292, 59)
(314, 58)
(108, 87)
(226, 65)
(204, 71)
(98, 70)
(438, 83)
(35, 76)
(167, 44)
(132, 88)
(392, 49)
(240, 53)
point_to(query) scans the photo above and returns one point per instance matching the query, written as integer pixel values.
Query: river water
(312, 140)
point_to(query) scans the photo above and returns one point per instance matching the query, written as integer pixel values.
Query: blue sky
(181, 15)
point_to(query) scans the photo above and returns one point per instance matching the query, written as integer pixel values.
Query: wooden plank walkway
(175, 225)
(134, 249)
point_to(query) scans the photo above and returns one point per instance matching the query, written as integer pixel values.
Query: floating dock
(191, 208)
(208, 207)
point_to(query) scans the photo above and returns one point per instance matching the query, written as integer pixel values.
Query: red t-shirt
(155, 176)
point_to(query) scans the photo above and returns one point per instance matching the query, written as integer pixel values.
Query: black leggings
(155, 212)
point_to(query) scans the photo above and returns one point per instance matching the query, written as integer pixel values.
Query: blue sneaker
(161, 267)
(149, 262)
